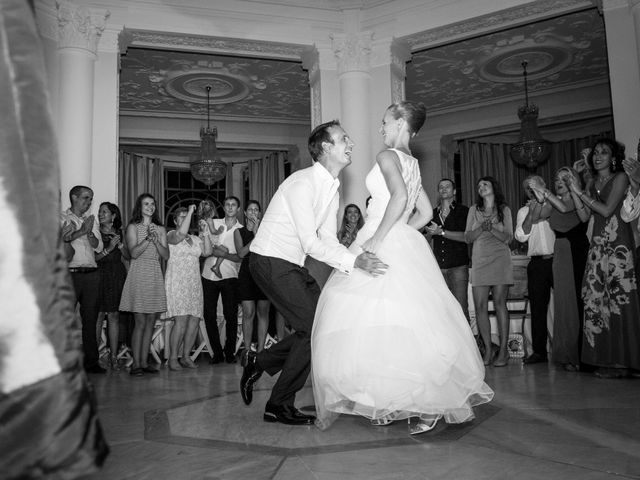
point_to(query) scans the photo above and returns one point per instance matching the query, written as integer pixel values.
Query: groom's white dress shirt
(302, 220)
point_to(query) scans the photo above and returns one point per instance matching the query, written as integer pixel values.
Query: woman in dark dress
(112, 275)
(568, 218)
(252, 299)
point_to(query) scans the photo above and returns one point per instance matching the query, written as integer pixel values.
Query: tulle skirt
(397, 345)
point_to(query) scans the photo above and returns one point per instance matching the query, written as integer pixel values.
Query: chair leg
(157, 336)
(203, 342)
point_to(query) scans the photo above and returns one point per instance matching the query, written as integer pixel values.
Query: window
(181, 190)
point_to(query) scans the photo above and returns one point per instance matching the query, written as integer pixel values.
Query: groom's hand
(371, 264)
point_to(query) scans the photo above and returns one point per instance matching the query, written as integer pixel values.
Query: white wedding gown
(397, 345)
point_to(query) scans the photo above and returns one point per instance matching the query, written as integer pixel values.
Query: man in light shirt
(301, 220)
(82, 232)
(225, 284)
(530, 228)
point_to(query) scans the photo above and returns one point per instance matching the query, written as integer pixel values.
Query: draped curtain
(479, 159)
(139, 174)
(265, 175)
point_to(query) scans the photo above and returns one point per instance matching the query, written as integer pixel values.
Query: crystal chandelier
(531, 150)
(207, 167)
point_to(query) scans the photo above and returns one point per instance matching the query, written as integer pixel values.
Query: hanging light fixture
(531, 150)
(207, 167)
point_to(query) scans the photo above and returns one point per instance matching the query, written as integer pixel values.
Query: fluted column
(353, 54)
(79, 31)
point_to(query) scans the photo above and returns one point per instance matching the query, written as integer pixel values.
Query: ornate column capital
(353, 51)
(80, 27)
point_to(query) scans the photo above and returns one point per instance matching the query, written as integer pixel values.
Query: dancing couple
(386, 338)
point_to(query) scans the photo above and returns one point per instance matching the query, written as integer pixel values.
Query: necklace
(601, 182)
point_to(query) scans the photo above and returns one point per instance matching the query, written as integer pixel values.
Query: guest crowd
(583, 241)
(583, 244)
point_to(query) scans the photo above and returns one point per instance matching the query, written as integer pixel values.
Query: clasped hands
(152, 234)
(632, 169)
(433, 228)
(68, 229)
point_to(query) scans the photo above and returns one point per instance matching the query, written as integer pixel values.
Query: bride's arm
(423, 213)
(390, 167)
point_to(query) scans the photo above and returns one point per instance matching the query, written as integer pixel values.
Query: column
(353, 54)
(79, 31)
(635, 11)
(622, 23)
(388, 72)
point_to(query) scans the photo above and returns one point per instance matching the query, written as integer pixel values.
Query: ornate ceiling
(156, 82)
(563, 53)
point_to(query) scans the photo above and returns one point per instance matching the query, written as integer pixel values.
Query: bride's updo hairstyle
(414, 113)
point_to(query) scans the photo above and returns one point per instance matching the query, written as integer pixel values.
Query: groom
(301, 220)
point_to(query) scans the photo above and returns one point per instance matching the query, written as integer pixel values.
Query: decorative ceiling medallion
(546, 53)
(544, 61)
(228, 84)
(188, 87)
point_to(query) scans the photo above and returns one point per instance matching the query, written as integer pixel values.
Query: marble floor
(543, 424)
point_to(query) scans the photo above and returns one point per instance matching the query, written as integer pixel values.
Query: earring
(613, 162)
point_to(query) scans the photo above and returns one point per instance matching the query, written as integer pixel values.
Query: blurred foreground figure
(47, 410)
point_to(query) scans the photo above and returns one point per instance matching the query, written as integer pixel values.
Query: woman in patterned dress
(143, 292)
(609, 289)
(183, 287)
(112, 275)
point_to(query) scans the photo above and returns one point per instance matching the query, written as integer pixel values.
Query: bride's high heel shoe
(423, 425)
(384, 420)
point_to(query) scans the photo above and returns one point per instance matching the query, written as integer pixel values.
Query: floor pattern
(543, 423)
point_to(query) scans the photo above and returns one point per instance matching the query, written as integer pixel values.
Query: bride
(395, 346)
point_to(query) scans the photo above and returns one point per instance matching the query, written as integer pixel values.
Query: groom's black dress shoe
(535, 358)
(250, 375)
(287, 414)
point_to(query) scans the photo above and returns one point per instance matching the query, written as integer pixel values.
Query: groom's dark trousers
(294, 292)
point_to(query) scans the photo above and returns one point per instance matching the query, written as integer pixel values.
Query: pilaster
(623, 46)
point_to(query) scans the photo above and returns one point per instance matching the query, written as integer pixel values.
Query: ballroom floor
(543, 423)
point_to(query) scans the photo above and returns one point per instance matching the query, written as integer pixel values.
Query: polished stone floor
(543, 424)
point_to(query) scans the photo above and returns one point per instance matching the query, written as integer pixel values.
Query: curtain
(139, 174)
(265, 175)
(479, 159)
(230, 187)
